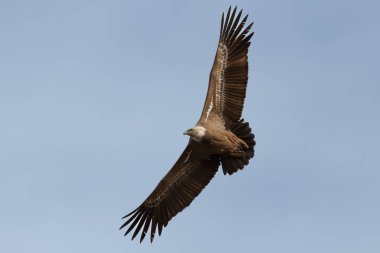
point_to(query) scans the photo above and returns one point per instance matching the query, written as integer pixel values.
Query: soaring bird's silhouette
(220, 137)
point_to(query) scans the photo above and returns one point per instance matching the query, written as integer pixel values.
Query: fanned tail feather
(244, 132)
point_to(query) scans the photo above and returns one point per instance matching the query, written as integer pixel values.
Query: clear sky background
(95, 95)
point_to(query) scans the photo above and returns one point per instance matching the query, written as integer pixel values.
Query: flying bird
(220, 137)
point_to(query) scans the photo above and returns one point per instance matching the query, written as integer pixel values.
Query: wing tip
(231, 26)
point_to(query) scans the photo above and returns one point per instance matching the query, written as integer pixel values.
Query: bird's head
(196, 133)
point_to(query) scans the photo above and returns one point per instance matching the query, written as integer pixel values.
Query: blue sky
(95, 95)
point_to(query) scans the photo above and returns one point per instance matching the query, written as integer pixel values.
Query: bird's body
(220, 137)
(215, 140)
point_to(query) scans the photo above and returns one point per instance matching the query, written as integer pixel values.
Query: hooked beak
(186, 132)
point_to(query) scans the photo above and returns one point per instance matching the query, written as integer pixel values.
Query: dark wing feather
(188, 177)
(229, 73)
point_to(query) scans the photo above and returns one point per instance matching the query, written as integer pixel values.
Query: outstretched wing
(229, 73)
(175, 192)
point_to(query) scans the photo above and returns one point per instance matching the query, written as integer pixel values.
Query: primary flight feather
(220, 137)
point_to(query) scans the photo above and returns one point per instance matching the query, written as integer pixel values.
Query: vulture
(220, 137)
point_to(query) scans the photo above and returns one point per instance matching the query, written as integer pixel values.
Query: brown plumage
(219, 137)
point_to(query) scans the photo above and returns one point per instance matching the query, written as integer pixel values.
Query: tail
(244, 132)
